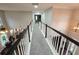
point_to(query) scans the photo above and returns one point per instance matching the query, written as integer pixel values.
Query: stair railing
(63, 44)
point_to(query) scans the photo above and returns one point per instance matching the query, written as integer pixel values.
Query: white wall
(17, 19)
(57, 18)
(3, 19)
(47, 16)
(61, 19)
(73, 23)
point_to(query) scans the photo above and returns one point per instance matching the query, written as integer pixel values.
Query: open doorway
(37, 18)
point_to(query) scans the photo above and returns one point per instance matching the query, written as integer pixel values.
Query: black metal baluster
(61, 47)
(56, 41)
(66, 46)
(46, 31)
(28, 33)
(59, 44)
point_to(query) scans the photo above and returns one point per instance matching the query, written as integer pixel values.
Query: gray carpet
(39, 45)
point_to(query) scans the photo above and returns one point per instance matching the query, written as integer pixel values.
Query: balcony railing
(61, 43)
(18, 47)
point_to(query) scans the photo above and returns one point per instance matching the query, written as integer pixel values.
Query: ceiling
(66, 5)
(29, 6)
(24, 6)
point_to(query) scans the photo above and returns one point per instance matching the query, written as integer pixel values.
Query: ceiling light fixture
(35, 5)
(76, 27)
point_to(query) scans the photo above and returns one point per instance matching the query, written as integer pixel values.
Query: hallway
(38, 43)
(56, 34)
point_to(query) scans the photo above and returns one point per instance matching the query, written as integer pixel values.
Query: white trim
(29, 47)
(50, 45)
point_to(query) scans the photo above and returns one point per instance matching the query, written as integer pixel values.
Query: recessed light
(35, 6)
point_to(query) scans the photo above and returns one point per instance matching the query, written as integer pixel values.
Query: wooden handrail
(12, 47)
(9, 50)
(67, 37)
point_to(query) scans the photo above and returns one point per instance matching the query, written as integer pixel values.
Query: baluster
(56, 41)
(66, 46)
(63, 46)
(30, 29)
(67, 52)
(19, 50)
(59, 42)
(28, 33)
(46, 31)
(21, 47)
(16, 50)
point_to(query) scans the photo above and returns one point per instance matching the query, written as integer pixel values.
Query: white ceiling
(66, 5)
(29, 6)
(24, 6)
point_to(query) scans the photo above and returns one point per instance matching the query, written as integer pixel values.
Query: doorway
(37, 18)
